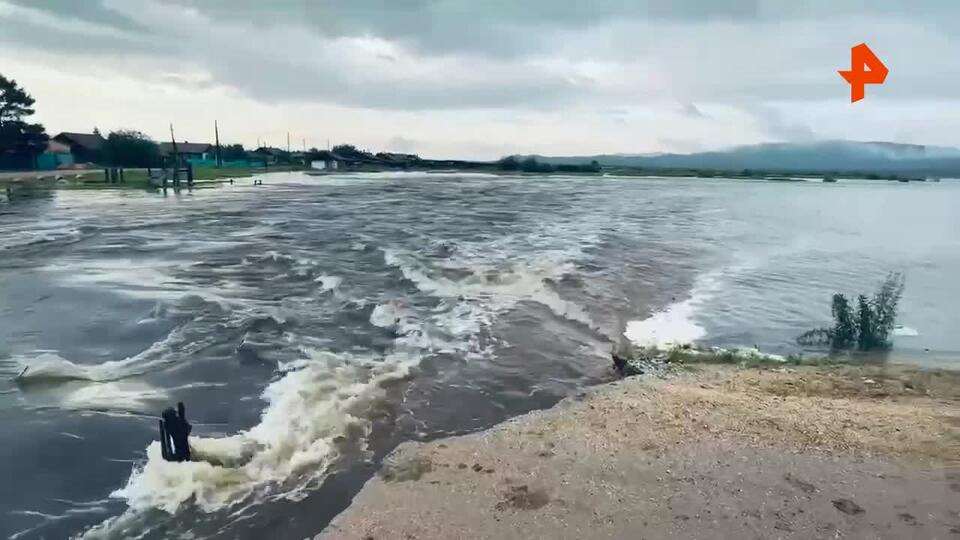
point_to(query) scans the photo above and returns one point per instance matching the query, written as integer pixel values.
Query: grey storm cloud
(89, 11)
(430, 54)
(777, 126)
(690, 109)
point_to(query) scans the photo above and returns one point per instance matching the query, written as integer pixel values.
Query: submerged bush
(869, 328)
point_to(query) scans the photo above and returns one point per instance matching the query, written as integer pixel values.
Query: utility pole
(288, 142)
(216, 134)
(176, 158)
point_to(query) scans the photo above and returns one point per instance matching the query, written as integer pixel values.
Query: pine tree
(20, 141)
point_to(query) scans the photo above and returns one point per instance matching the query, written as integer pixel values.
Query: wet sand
(709, 452)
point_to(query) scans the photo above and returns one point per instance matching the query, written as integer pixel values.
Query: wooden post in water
(189, 174)
(216, 134)
(176, 159)
(106, 175)
(122, 179)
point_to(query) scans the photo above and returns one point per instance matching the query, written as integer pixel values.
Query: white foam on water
(753, 353)
(25, 238)
(326, 396)
(141, 279)
(676, 324)
(413, 336)
(138, 279)
(120, 396)
(905, 331)
(48, 366)
(387, 315)
(328, 283)
(48, 379)
(563, 308)
(317, 400)
(483, 290)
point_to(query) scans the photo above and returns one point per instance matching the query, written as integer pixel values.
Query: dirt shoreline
(708, 452)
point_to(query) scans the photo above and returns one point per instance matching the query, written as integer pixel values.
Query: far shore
(705, 451)
(136, 178)
(133, 178)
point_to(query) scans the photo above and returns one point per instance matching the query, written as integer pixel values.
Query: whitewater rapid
(311, 324)
(321, 401)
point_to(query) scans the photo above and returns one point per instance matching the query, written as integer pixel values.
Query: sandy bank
(719, 452)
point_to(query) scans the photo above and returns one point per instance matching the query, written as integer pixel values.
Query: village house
(81, 147)
(189, 151)
(268, 155)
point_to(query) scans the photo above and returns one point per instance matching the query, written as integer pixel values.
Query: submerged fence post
(190, 173)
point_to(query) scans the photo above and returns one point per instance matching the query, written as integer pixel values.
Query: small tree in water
(844, 326)
(867, 330)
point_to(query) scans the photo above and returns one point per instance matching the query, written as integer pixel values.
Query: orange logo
(862, 57)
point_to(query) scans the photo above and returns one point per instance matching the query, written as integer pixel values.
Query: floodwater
(313, 323)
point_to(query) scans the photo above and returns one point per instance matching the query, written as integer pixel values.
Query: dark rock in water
(626, 367)
(630, 361)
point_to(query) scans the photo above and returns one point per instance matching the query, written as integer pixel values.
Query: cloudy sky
(481, 79)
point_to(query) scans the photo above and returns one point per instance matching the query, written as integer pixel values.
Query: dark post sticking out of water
(174, 432)
(216, 135)
(176, 159)
(113, 175)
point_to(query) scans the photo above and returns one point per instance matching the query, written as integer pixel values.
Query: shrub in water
(867, 330)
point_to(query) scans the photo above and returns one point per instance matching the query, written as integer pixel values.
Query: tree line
(531, 165)
(21, 142)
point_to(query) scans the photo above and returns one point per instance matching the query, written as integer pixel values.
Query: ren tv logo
(865, 68)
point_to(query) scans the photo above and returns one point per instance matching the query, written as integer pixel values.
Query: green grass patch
(691, 355)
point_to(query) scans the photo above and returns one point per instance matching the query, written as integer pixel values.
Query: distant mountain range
(819, 157)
